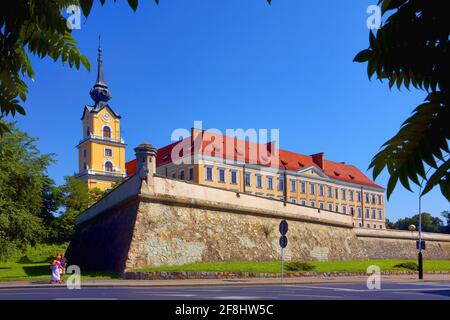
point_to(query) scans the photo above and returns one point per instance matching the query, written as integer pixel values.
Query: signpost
(283, 242)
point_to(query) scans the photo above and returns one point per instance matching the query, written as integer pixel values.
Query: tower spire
(100, 92)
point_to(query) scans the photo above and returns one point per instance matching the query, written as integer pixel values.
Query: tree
(446, 215)
(429, 223)
(76, 198)
(412, 48)
(22, 179)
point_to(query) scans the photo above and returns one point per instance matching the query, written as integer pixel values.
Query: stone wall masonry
(161, 221)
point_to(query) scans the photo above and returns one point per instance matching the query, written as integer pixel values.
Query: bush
(407, 265)
(299, 266)
(41, 252)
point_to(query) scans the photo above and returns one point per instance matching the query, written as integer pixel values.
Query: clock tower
(101, 151)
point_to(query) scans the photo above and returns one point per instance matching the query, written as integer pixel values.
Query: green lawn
(34, 264)
(319, 266)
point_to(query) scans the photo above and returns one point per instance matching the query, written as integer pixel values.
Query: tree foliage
(412, 49)
(22, 179)
(429, 223)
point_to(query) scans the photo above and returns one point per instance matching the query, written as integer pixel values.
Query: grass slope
(319, 266)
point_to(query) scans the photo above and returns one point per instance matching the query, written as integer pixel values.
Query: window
(359, 196)
(303, 202)
(367, 198)
(343, 193)
(322, 190)
(88, 131)
(174, 175)
(181, 175)
(321, 205)
(233, 177)
(312, 187)
(380, 215)
(247, 179)
(336, 193)
(368, 225)
(381, 227)
(373, 198)
(330, 207)
(379, 199)
(303, 187)
(293, 200)
(108, 152)
(221, 175)
(352, 211)
(106, 132)
(108, 166)
(84, 153)
(336, 208)
(330, 191)
(281, 183)
(259, 181)
(360, 224)
(374, 214)
(191, 174)
(84, 165)
(269, 183)
(344, 209)
(359, 213)
(313, 204)
(293, 185)
(367, 214)
(209, 176)
(351, 192)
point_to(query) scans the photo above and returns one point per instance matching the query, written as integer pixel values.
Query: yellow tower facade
(101, 151)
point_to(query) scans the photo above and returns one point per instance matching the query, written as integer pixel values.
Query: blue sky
(230, 64)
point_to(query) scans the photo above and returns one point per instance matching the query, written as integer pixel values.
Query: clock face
(106, 117)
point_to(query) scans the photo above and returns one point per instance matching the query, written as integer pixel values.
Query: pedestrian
(56, 269)
(64, 263)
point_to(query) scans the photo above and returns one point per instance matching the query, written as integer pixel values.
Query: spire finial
(100, 92)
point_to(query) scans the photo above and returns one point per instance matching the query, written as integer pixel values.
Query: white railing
(102, 172)
(93, 136)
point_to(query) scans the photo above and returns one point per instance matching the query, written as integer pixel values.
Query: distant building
(305, 180)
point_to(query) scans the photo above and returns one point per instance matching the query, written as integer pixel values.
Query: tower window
(108, 152)
(84, 153)
(84, 165)
(88, 132)
(108, 166)
(106, 132)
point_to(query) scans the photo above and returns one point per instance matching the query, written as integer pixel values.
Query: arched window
(88, 132)
(108, 166)
(106, 132)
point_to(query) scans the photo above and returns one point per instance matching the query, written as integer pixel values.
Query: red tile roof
(216, 145)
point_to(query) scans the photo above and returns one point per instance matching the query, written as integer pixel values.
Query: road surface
(354, 291)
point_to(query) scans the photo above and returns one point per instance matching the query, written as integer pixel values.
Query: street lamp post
(420, 257)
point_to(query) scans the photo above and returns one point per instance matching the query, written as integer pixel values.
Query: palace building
(230, 163)
(101, 151)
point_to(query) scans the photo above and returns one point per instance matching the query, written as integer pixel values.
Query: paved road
(390, 291)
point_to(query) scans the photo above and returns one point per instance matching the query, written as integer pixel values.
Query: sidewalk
(226, 282)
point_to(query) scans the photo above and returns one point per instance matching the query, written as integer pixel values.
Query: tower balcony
(92, 172)
(103, 139)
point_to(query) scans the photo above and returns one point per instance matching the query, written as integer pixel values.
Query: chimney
(318, 160)
(145, 160)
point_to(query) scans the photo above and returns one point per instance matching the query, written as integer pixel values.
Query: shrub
(267, 230)
(407, 265)
(299, 266)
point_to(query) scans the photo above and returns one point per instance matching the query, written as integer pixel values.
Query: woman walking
(56, 270)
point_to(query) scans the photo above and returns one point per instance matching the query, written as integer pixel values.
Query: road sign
(283, 242)
(420, 246)
(283, 227)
